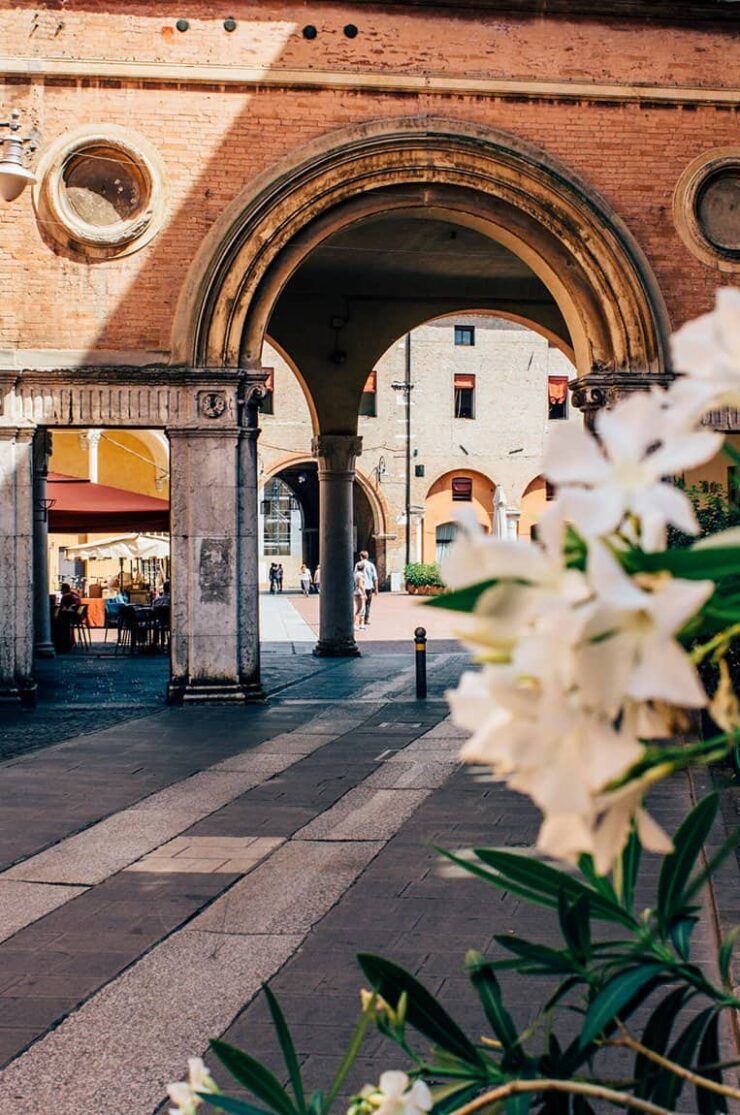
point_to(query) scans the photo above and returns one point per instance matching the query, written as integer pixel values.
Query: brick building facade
(205, 184)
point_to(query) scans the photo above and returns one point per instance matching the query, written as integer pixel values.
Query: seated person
(71, 598)
(68, 605)
(163, 600)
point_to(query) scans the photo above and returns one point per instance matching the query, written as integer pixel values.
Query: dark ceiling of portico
(365, 286)
(411, 259)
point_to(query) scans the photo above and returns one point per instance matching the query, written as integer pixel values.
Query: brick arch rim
(205, 319)
(376, 501)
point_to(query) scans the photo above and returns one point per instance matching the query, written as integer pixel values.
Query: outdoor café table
(95, 610)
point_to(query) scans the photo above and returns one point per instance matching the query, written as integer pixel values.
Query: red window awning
(371, 383)
(464, 381)
(81, 507)
(557, 389)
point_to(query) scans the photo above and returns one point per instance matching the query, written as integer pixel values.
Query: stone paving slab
(23, 902)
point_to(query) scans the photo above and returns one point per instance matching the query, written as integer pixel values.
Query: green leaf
(697, 565)
(707, 1102)
(548, 958)
(461, 599)
(575, 924)
(725, 954)
(655, 1036)
(677, 867)
(488, 990)
(254, 1076)
(349, 1057)
(669, 1086)
(287, 1046)
(448, 1097)
(681, 931)
(230, 1103)
(518, 1105)
(726, 847)
(631, 857)
(549, 883)
(617, 993)
(424, 1012)
(317, 1104)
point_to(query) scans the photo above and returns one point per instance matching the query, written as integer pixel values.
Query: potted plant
(423, 579)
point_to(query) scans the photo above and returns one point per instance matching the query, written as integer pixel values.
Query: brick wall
(216, 139)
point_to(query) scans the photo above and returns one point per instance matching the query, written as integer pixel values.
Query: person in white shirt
(371, 581)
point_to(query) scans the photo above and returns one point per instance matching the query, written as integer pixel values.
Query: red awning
(83, 507)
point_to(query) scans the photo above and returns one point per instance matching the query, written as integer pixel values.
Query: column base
(182, 692)
(19, 693)
(325, 649)
(45, 650)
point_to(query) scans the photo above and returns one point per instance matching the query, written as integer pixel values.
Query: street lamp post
(407, 387)
(14, 177)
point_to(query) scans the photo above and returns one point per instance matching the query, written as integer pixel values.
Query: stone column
(16, 566)
(91, 442)
(43, 645)
(336, 455)
(252, 392)
(204, 583)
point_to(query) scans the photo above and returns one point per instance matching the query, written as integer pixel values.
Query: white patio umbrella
(500, 521)
(126, 546)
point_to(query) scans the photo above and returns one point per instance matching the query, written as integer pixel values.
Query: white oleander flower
(617, 810)
(643, 441)
(708, 351)
(393, 1096)
(184, 1093)
(636, 654)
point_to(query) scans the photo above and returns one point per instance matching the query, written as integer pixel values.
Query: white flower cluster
(581, 667)
(394, 1095)
(184, 1094)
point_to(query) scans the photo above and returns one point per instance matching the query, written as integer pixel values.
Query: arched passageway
(337, 253)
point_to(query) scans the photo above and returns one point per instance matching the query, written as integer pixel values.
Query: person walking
(279, 577)
(317, 580)
(273, 578)
(305, 579)
(370, 574)
(358, 595)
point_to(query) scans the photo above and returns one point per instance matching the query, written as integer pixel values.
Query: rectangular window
(557, 397)
(278, 507)
(462, 489)
(267, 406)
(549, 491)
(464, 396)
(369, 393)
(465, 335)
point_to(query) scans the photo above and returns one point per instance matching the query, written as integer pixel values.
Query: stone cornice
(374, 81)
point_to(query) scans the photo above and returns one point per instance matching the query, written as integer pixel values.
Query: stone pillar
(336, 455)
(16, 566)
(43, 645)
(204, 583)
(253, 391)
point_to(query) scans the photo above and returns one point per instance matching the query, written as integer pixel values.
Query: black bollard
(420, 641)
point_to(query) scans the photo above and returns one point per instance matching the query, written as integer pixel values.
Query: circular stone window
(101, 194)
(706, 208)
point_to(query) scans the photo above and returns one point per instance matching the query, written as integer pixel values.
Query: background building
(483, 393)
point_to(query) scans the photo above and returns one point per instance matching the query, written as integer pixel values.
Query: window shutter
(371, 383)
(466, 382)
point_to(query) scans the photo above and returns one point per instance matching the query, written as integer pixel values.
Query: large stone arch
(487, 179)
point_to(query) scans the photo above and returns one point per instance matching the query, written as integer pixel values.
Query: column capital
(337, 452)
(601, 390)
(254, 385)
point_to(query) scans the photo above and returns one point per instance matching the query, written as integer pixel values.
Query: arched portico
(576, 270)
(274, 261)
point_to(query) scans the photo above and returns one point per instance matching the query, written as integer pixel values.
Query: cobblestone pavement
(154, 873)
